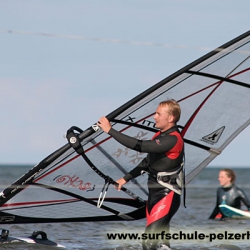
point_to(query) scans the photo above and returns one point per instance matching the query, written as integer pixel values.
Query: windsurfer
(228, 193)
(164, 163)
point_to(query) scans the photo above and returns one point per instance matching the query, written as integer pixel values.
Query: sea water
(190, 221)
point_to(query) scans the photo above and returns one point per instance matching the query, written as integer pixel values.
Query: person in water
(164, 165)
(228, 193)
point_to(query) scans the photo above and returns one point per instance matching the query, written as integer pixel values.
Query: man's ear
(171, 119)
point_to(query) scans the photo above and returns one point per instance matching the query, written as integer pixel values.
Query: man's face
(162, 118)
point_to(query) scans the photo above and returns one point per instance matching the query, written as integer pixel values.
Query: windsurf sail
(73, 183)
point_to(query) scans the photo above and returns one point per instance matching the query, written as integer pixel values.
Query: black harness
(169, 180)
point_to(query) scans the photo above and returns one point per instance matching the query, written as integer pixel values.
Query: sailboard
(232, 212)
(37, 237)
(73, 183)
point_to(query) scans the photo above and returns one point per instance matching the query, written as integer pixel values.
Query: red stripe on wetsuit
(175, 151)
(160, 209)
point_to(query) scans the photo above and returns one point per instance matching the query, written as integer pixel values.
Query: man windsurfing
(164, 165)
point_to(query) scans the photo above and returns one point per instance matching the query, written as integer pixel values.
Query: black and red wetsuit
(165, 154)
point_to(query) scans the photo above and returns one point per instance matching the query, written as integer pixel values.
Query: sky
(66, 63)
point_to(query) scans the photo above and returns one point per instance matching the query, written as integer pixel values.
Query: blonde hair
(173, 107)
(230, 173)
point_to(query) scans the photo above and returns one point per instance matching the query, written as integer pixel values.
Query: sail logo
(213, 137)
(135, 156)
(144, 122)
(74, 181)
(7, 218)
